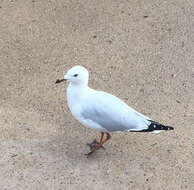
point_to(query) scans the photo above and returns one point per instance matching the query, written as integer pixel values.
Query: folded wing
(113, 114)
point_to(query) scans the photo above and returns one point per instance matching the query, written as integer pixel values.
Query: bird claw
(95, 145)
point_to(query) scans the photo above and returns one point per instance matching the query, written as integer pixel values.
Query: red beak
(59, 80)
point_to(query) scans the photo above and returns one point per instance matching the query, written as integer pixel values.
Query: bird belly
(76, 112)
(93, 125)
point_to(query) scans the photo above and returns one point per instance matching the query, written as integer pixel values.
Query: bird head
(76, 75)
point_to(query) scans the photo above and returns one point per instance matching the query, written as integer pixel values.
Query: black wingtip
(170, 128)
(155, 126)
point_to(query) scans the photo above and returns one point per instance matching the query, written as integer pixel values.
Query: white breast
(75, 97)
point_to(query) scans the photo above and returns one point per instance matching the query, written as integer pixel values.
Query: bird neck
(75, 92)
(77, 86)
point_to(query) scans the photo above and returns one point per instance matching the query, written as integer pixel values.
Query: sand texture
(139, 50)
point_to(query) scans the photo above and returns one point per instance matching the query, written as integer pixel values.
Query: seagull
(103, 111)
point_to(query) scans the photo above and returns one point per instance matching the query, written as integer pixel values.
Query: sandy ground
(139, 50)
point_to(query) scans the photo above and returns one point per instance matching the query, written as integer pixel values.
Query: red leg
(93, 145)
(101, 139)
(107, 138)
(101, 143)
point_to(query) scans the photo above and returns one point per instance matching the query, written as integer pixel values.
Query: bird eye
(75, 75)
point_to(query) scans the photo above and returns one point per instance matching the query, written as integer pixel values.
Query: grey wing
(113, 114)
